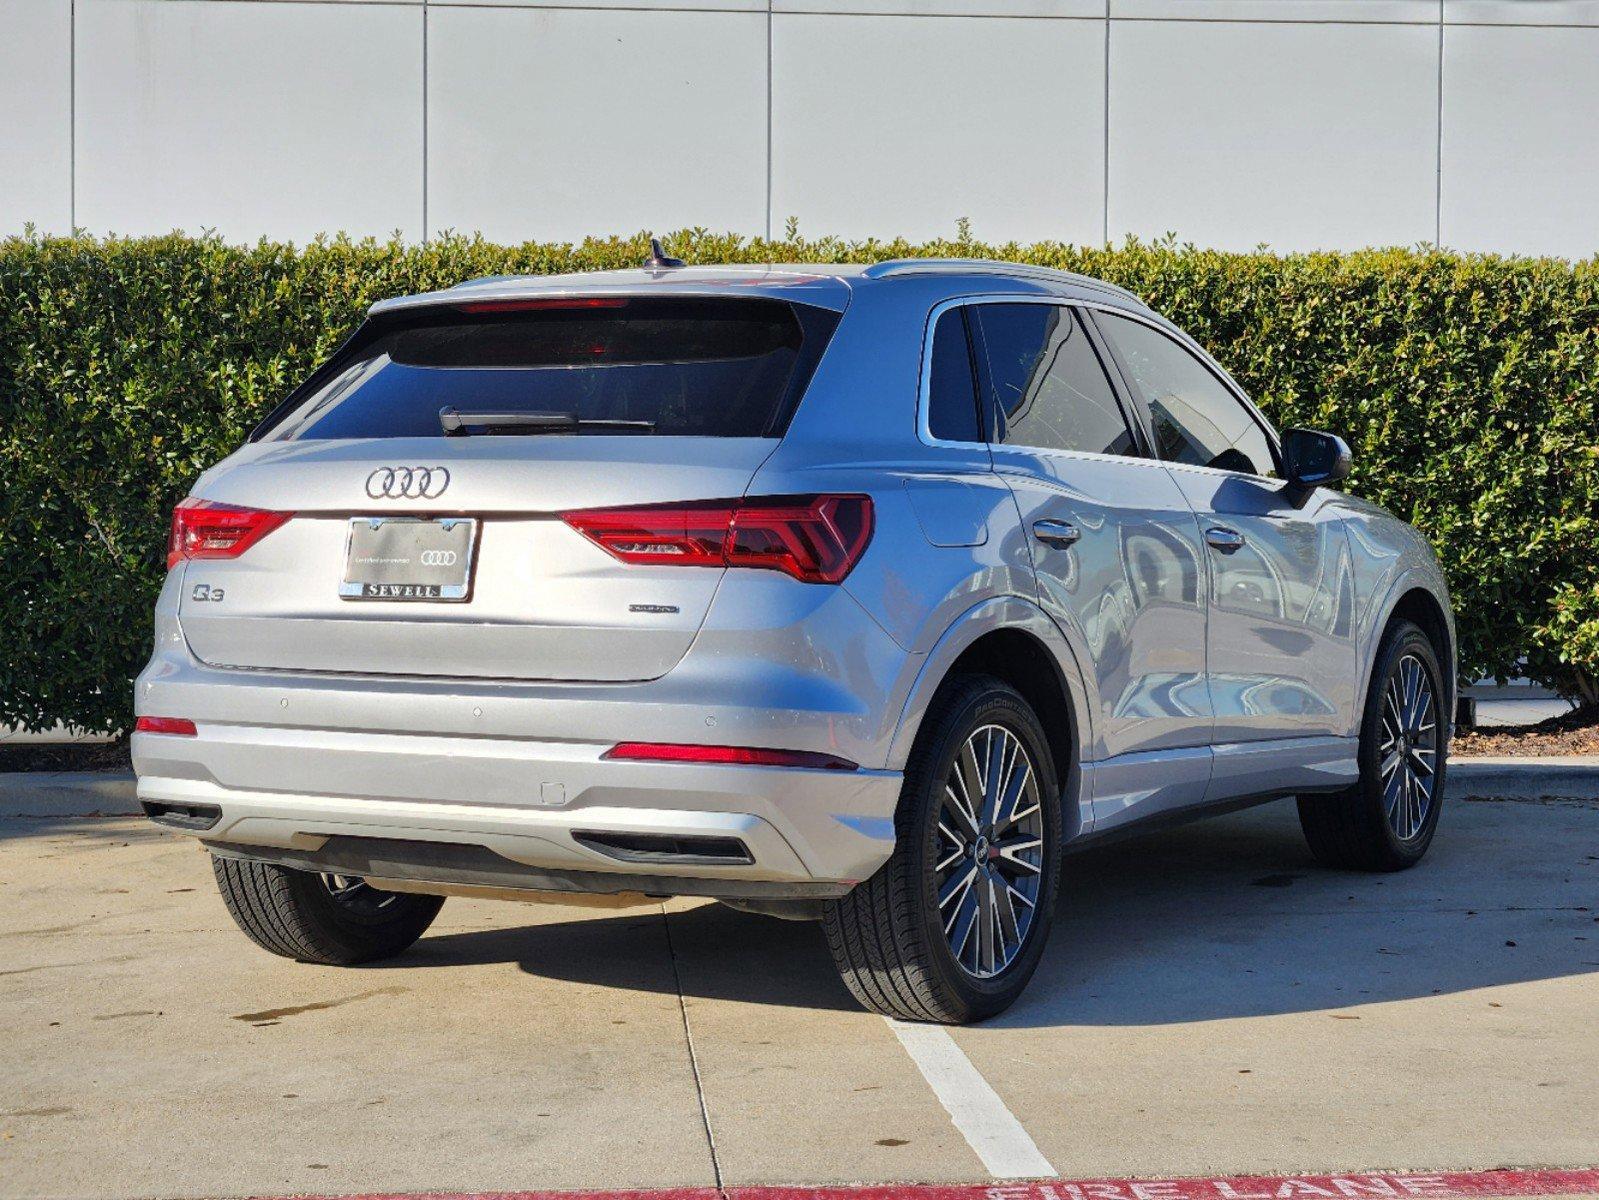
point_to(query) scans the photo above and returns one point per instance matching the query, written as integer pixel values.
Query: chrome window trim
(924, 430)
(924, 385)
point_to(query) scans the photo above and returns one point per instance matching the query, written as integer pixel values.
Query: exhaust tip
(666, 848)
(182, 816)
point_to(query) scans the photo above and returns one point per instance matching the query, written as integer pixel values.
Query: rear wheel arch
(1018, 658)
(1013, 641)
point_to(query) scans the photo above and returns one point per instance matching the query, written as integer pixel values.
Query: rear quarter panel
(948, 561)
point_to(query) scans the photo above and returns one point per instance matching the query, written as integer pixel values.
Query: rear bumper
(310, 763)
(544, 811)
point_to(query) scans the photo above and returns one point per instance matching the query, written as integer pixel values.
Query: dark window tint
(691, 367)
(1196, 419)
(1048, 383)
(951, 390)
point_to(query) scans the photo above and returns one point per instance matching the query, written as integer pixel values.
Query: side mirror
(1315, 459)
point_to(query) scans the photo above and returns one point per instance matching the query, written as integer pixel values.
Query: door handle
(1059, 534)
(1224, 539)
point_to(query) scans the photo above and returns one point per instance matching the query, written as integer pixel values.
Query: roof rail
(929, 266)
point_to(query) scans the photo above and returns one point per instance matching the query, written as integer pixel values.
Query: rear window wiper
(460, 424)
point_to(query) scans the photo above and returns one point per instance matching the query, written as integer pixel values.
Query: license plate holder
(409, 559)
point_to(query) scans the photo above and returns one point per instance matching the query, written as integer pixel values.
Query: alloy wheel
(1407, 753)
(990, 861)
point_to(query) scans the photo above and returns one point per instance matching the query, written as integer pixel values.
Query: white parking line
(1006, 1149)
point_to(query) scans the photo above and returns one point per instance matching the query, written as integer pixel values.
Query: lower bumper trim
(460, 864)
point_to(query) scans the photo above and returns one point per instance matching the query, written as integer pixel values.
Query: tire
(888, 935)
(334, 920)
(1387, 820)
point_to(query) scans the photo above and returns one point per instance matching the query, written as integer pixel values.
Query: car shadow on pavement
(710, 951)
(1225, 918)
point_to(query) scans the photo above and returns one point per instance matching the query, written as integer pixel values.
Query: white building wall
(1300, 124)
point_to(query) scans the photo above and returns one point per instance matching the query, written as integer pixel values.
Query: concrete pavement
(1212, 1002)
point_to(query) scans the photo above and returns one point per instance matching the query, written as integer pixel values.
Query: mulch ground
(1575, 732)
(105, 756)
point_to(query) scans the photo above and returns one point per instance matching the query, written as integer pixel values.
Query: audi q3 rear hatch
(417, 491)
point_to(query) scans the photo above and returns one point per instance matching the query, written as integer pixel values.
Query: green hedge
(1468, 387)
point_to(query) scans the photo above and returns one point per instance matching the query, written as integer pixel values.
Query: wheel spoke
(1010, 854)
(969, 777)
(1017, 818)
(986, 953)
(1394, 719)
(1423, 706)
(996, 775)
(961, 809)
(1018, 787)
(1022, 896)
(1391, 793)
(1008, 927)
(958, 883)
(959, 930)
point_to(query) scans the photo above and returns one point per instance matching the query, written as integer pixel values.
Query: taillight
(746, 756)
(206, 529)
(175, 726)
(816, 539)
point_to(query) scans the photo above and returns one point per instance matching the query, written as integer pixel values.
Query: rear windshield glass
(687, 367)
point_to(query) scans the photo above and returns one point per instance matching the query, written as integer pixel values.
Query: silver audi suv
(831, 592)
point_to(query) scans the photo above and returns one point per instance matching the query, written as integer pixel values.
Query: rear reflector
(744, 756)
(815, 539)
(175, 726)
(206, 529)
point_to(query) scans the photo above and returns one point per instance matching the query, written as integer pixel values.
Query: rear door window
(1049, 391)
(691, 367)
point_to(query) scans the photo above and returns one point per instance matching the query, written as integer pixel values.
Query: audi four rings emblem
(438, 558)
(407, 483)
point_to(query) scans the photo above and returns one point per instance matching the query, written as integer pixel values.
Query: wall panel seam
(1170, 20)
(427, 231)
(1438, 192)
(554, 7)
(770, 117)
(976, 16)
(72, 117)
(1104, 198)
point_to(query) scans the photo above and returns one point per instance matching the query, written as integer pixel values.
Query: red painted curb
(1378, 1186)
(1447, 1185)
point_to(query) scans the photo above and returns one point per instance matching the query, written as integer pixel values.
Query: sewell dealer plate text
(408, 558)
